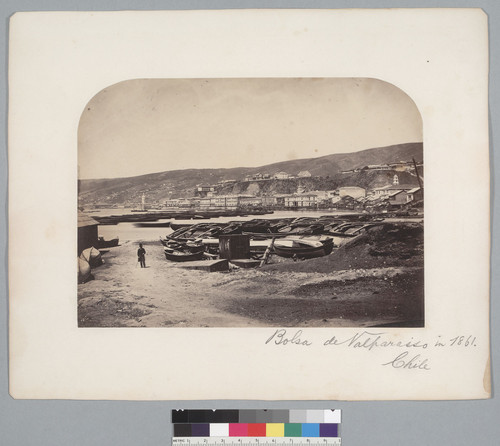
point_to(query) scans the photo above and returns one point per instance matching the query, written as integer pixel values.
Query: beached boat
(153, 224)
(302, 248)
(101, 243)
(302, 228)
(177, 226)
(83, 270)
(92, 256)
(266, 235)
(178, 256)
(178, 245)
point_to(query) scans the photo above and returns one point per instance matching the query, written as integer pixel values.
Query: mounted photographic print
(249, 204)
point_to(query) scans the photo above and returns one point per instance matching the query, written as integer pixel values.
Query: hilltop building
(204, 191)
(258, 177)
(281, 176)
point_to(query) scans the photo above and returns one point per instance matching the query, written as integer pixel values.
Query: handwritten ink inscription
(410, 354)
(371, 340)
(279, 337)
(407, 361)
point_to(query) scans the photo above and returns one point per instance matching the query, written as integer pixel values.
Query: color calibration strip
(256, 423)
(256, 441)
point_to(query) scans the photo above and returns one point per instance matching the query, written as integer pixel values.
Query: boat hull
(176, 256)
(302, 249)
(101, 244)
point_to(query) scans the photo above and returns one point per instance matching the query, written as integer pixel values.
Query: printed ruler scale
(256, 427)
(255, 441)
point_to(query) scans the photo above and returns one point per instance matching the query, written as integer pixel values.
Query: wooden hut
(87, 232)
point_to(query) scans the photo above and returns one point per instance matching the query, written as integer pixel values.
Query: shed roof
(393, 194)
(396, 187)
(412, 191)
(85, 220)
(351, 188)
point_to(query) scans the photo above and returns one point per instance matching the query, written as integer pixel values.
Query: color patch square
(310, 430)
(200, 430)
(180, 416)
(262, 416)
(328, 430)
(333, 416)
(248, 416)
(275, 430)
(279, 416)
(182, 430)
(257, 430)
(219, 430)
(238, 430)
(315, 416)
(297, 416)
(197, 416)
(293, 430)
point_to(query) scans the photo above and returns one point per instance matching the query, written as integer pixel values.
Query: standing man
(141, 256)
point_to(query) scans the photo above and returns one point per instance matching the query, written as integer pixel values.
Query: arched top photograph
(251, 202)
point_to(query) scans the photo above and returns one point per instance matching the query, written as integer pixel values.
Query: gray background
(148, 423)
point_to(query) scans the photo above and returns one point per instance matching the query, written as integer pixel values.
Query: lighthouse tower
(143, 202)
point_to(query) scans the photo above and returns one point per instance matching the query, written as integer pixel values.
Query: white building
(225, 201)
(281, 176)
(301, 200)
(249, 200)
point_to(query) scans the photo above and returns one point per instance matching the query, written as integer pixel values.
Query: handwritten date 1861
(463, 341)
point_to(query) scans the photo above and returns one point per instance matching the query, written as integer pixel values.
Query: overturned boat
(302, 248)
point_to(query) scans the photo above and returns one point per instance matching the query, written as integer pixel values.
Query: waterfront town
(343, 256)
(393, 193)
(344, 197)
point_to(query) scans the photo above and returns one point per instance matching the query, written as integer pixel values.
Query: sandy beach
(375, 279)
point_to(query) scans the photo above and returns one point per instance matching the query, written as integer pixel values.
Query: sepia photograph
(219, 221)
(255, 202)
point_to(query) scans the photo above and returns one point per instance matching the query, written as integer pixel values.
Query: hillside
(325, 169)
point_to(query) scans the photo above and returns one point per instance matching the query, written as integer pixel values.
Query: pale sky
(153, 125)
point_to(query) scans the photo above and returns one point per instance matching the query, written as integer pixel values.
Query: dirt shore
(376, 279)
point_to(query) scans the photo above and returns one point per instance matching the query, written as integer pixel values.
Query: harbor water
(129, 232)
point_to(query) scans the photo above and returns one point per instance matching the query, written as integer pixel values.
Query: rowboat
(153, 224)
(83, 270)
(266, 235)
(178, 256)
(176, 226)
(92, 256)
(101, 243)
(302, 228)
(302, 248)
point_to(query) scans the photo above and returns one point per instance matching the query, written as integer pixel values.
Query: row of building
(266, 176)
(277, 176)
(400, 166)
(395, 194)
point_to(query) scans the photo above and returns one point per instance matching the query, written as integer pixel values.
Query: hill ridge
(182, 182)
